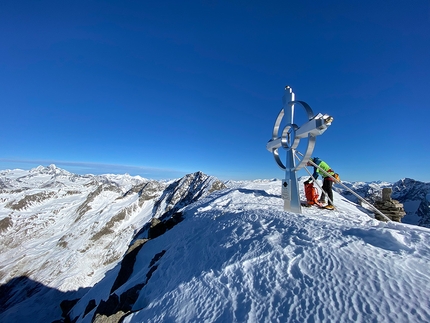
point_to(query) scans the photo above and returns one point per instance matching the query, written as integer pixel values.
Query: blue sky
(164, 88)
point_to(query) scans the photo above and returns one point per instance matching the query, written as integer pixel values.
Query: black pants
(327, 187)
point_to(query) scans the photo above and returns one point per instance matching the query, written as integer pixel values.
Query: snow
(412, 207)
(49, 242)
(239, 257)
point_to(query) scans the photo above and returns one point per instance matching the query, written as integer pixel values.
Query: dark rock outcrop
(393, 209)
(127, 264)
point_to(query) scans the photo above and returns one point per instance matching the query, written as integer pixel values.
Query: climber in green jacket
(323, 169)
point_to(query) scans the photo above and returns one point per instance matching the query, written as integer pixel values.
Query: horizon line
(96, 168)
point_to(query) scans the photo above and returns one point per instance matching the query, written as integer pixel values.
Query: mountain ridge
(102, 262)
(413, 194)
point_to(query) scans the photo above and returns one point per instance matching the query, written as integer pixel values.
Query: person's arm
(315, 174)
(313, 177)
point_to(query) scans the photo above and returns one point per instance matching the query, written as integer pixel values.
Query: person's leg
(322, 198)
(327, 187)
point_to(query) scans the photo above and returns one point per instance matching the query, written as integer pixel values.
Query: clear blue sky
(164, 88)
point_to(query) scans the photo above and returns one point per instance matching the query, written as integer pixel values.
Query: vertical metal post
(290, 188)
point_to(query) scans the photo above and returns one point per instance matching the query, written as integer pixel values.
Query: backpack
(311, 194)
(336, 175)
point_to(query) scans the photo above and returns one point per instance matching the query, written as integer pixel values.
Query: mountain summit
(193, 250)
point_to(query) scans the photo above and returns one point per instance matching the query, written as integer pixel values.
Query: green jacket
(323, 165)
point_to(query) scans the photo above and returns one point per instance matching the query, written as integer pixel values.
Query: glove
(309, 180)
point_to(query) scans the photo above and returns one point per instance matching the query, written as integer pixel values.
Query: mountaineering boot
(329, 207)
(322, 201)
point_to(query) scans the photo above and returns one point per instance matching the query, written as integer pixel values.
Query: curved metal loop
(278, 159)
(309, 150)
(288, 137)
(277, 124)
(306, 106)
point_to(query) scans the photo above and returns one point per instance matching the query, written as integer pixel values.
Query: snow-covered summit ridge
(236, 256)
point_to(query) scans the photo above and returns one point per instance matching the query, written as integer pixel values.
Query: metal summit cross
(289, 139)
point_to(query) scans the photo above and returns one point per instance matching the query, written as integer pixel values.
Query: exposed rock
(157, 257)
(185, 191)
(416, 196)
(91, 305)
(29, 199)
(86, 212)
(116, 306)
(85, 207)
(217, 186)
(109, 311)
(137, 243)
(67, 305)
(150, 272)
(150, 191)
(114, 318)
(413, 194)
(391, 208)
(129, 297)
(159, 227)
(156, 228)
(5, 223)
(127, 264)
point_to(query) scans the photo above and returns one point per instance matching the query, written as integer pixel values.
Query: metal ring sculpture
(288, 139)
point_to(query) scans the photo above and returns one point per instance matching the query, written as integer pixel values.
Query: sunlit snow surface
(238, 257)
(54, 244)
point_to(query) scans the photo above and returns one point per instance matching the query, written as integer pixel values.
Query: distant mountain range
(61, 233)
(414, 195)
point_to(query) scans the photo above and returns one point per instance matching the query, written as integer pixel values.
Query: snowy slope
(414, 195)
(65, 227)
(75, 248)
(61, 232)
(238, 257)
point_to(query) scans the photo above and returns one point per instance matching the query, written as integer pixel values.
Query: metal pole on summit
(289, 139)
(290, 188)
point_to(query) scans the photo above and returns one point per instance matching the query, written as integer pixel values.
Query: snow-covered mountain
(65, 230)
(116, 248)
(414, 195)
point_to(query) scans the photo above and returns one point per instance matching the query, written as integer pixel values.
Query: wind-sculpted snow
(66, 231)
(235, 256)
(239, 258)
